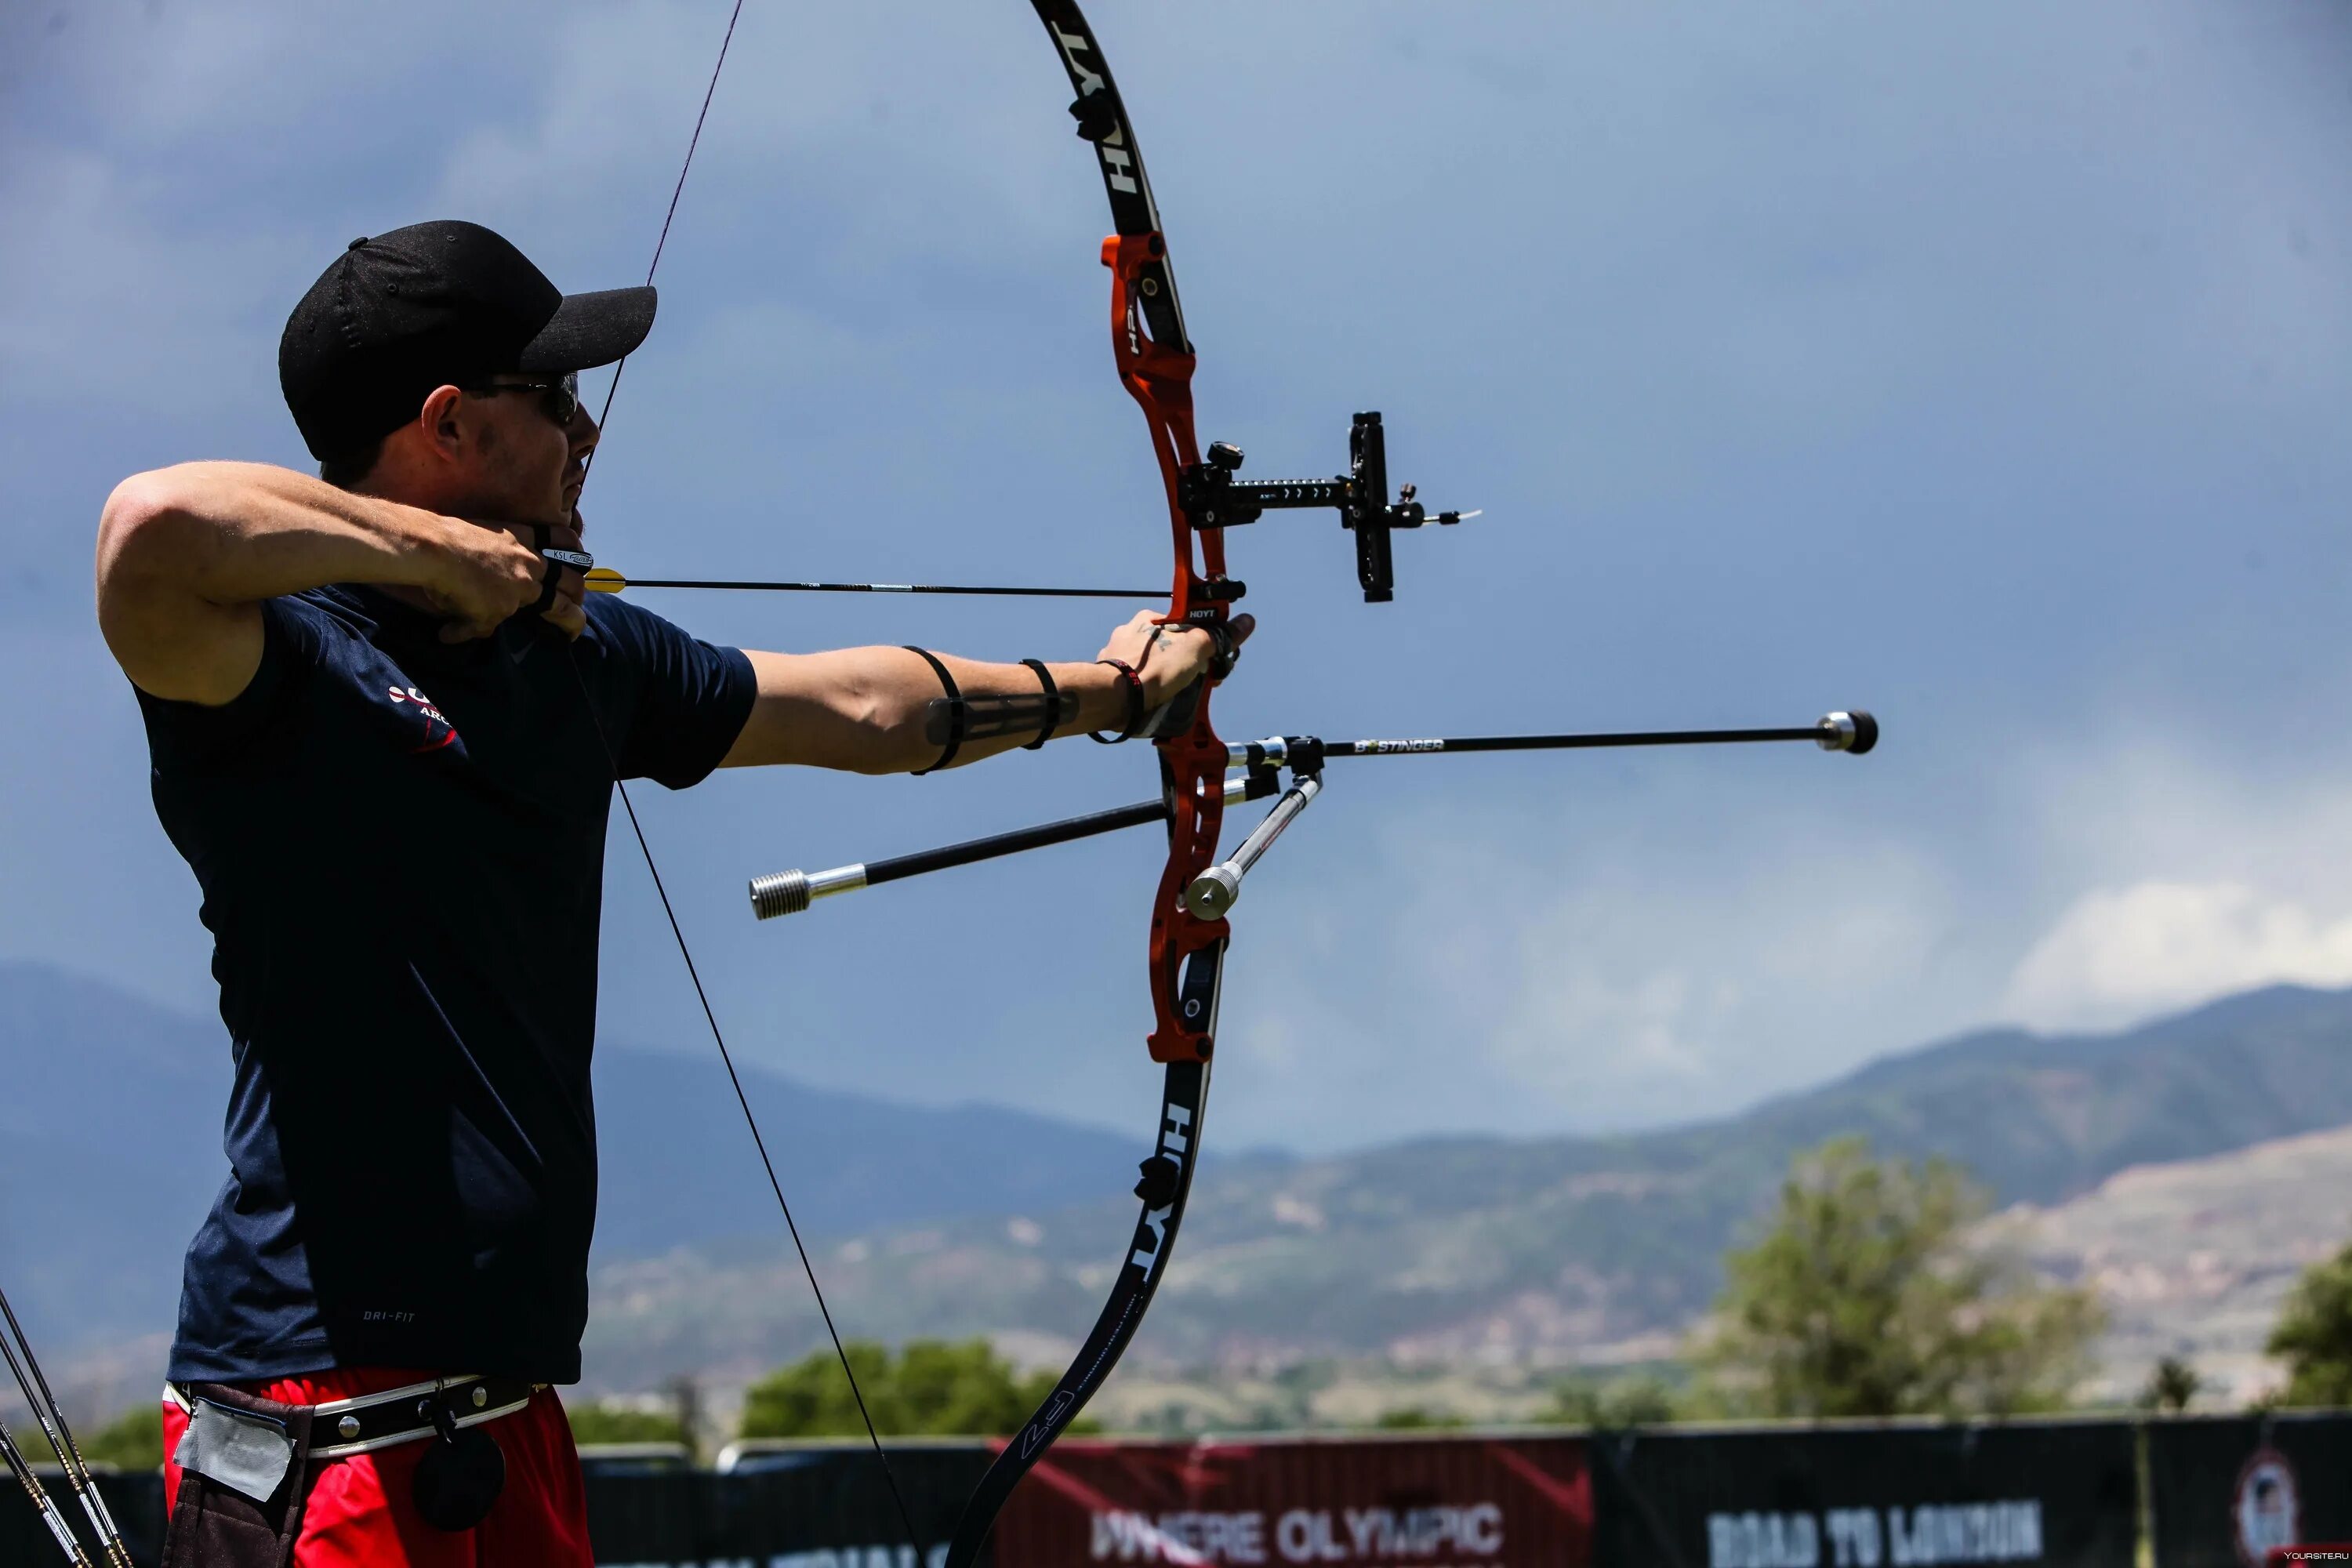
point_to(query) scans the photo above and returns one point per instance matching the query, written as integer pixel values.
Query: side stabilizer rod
(1219, 889)
(790, 893)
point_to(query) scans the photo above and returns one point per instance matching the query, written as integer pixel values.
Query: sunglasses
(559, 400)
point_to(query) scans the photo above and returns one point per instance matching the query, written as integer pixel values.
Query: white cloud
(2118, 955)
(1633, 960)
(1672, 989)
(2162, 874)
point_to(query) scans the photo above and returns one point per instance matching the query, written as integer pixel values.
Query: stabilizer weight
(784, 893)
(1855, 732)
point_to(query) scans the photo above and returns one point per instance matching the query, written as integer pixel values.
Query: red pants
(360, 1515)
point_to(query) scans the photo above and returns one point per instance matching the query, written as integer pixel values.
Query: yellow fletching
(604, 580)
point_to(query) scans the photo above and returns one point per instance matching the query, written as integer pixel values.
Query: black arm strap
(955, 715)
(953, 719)
(1052, 695)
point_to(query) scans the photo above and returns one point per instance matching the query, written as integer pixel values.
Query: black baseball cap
(434, 304)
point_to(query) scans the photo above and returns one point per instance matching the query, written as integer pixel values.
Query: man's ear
(441, 421)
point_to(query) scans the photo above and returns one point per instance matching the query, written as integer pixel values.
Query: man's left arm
(866, 709)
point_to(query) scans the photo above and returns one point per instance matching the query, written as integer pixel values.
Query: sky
(1986, 366)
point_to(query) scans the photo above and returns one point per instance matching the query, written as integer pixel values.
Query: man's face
(530, 455)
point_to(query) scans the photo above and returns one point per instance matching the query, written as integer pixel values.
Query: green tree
(2313, 1334)
(2172, 1384)
(622, 1424)
(132, 1441)
(930, 1388)
(1868, 1296)
(1615, 1403)
(1417, 1418)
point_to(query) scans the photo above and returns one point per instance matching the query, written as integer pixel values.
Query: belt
(396, 1416)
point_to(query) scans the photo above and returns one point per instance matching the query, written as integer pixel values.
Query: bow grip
(1175, 716)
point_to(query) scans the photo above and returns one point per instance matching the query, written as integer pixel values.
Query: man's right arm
(186, 555)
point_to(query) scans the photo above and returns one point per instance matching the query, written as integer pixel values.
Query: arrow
(604, 580)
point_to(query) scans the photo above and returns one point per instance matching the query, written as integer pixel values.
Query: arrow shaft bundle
(17, 1352)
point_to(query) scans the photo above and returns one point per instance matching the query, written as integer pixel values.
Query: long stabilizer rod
(35, 1387)
(1855, 732)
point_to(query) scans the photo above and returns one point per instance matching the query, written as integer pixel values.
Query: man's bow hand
(1171, 658)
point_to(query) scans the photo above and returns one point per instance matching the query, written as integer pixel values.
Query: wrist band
(1134, 705)
(953, 703)
(1053, 699)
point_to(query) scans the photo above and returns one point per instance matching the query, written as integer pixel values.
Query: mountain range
(982, 1219)
(110, 1136)
(1559, 1250)
(2194, 1258)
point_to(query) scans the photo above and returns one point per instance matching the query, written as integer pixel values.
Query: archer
(385, 723)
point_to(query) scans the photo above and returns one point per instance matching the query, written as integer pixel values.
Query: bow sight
(1213, 495)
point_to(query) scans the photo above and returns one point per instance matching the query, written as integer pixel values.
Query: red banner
(1421, 1502)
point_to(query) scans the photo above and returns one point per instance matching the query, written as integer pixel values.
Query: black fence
(2224, 1492)
(2211, 1493)
(2060, 1492)
(826, 1507)
(136, 1501)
